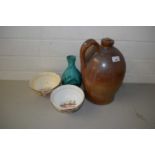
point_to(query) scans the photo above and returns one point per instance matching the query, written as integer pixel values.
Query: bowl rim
(63, 87)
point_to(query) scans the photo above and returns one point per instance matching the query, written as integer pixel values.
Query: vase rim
(71, 56)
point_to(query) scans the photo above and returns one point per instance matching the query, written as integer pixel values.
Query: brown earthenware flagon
(103, 68)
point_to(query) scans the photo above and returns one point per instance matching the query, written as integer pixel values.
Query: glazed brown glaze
(103, 68)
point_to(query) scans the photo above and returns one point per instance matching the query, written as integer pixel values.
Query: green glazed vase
(71, 75)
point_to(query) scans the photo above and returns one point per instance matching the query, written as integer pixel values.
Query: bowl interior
(67, 97)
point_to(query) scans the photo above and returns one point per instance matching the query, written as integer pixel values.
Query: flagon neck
(107, 42)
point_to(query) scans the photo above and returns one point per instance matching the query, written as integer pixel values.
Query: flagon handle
(84, 48)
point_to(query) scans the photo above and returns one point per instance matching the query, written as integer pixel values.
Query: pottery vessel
(43, 83)
(103, 69)
(71, 74)
(67, 98)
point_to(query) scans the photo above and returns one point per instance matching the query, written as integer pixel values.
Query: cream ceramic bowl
(45, 82)
(67, 98)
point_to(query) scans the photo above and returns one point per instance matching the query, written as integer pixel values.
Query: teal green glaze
(71, 75)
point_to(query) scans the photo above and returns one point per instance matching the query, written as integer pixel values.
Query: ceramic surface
(103, 69)
(71, 75)
(45, 82)
(67, 98)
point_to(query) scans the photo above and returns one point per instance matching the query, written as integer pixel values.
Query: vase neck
(71, 60)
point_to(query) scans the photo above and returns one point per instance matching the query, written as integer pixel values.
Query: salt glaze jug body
(71, 75)
(103, 69)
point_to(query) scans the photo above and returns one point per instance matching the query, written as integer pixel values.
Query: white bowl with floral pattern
(67, 98)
